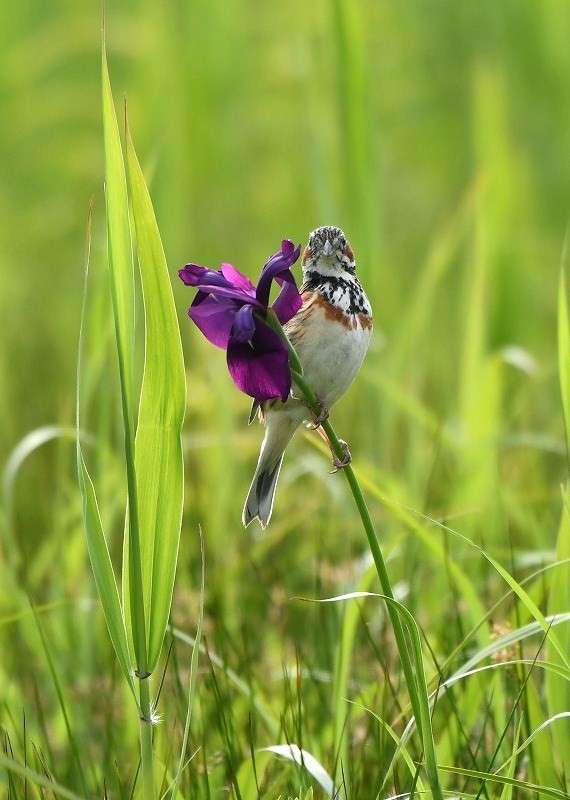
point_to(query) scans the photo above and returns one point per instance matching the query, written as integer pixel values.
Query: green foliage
(435, 134)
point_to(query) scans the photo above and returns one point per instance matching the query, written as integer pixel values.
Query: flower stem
(374, 545)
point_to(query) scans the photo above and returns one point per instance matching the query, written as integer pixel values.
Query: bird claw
(338, 463)
(322, 416)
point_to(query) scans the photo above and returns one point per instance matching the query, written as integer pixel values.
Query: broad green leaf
(96, 541)
(123, 293)
(119, 248)
(158, 448)
(103, 571)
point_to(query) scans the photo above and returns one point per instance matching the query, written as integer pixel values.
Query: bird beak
(327, 249)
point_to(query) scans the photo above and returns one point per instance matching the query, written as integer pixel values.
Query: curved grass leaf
(158, 447)
(423, 703)
(306, 760)
(540, 791)
(37, 779)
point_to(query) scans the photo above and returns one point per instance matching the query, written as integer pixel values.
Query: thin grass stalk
(403, 652)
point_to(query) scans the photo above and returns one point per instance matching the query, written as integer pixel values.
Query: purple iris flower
(231, 313)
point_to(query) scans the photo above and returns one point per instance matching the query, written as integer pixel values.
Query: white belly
(331, 354)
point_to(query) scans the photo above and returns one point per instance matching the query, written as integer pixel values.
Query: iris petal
(244, 324)
(288, 302)
(238, 280)
(277, 266)
(260, 368)
(194, 275)
(214, 317)
(229, 311)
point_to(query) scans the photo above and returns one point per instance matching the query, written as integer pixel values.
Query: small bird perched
(330, 333)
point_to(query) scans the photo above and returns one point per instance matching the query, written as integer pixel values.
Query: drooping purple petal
(214, 282)
(287, 303)
(235, 277)
(277, 266)
(214, 317)
(260, 368)
(244, 324)
(194, 275)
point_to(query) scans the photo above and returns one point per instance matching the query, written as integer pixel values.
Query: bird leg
(338, 463)
(322, 415)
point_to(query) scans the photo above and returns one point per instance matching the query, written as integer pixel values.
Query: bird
(330, 333)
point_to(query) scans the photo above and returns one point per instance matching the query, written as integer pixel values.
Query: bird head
(328, 251)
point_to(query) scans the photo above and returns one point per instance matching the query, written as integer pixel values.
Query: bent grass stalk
(415, 684)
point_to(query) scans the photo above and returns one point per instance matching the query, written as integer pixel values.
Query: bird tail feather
(259, 503)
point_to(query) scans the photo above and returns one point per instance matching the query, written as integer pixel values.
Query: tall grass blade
(158, 447)
(96, 541)
(558, 689)
(123, 294)
(119, 249)
(564, 351)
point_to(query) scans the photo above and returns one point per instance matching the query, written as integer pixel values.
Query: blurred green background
(436, 134)
(259, 121)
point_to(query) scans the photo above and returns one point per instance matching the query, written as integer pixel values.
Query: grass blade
(158, 447)
(423, 721)
(103, 571)
(564, 351)
(123, 293)
(96, 541)
(558, 689)
(37, 779)
(540, 791)
(119, 248)
(193, 678)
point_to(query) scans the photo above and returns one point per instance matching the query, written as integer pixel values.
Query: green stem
(403, 651)
(372, 543)
(147, 754)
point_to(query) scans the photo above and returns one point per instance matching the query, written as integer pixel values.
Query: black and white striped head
(328, 252)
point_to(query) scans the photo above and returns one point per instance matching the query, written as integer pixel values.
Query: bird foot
(340, 463)
(322, 415)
